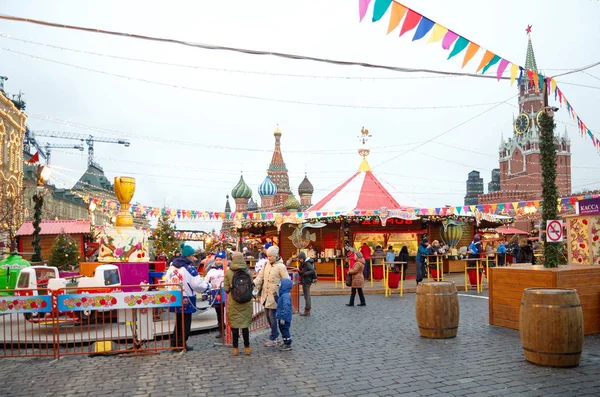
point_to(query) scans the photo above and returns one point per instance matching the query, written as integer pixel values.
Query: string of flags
(409, 20)
(506, 209)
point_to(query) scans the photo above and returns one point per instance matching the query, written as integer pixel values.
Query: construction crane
(45, 150)
(88, 139)
(50, 146)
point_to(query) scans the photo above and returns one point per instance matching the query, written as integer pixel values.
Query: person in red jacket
(365, 250)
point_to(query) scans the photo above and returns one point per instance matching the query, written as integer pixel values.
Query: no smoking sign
(554, 231)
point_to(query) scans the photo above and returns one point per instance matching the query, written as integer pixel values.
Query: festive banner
(456, 44)
(118, 300)
(25, 304)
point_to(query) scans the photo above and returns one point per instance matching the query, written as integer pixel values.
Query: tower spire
(278, 172)
(530, 62)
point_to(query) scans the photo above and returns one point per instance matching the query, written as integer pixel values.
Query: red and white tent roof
(361, 192)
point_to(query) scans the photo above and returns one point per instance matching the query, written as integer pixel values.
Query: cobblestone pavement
(352, 351)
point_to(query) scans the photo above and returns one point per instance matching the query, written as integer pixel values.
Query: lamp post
(43, 174)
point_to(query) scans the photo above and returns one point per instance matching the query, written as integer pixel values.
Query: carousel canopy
(362, 191)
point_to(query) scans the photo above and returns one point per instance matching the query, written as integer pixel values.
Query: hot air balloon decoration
(451, 233)
(301, 237)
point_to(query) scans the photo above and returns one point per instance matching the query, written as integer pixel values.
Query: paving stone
(337, 351)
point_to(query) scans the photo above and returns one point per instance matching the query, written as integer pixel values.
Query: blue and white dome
(267, 188)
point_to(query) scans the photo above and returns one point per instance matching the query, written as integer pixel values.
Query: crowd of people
(270, 286)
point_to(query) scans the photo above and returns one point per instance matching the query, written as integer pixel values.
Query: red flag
(35, 158)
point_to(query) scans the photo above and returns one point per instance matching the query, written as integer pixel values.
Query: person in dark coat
(525, 254)
(358, 279)
(239, 315)
(307, 273)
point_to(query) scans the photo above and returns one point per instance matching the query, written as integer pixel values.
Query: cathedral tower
(278, 173)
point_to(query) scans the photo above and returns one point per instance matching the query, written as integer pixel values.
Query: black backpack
(241, 289)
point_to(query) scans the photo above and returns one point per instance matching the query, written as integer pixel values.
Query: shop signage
(589, 207)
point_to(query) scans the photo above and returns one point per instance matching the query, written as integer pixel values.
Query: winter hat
(273, 251)
(237, 257)
(268, 245)
(301, 255)
(477, 238)
(221, 254)
(186, 250)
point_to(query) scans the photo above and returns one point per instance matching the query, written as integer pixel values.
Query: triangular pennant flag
(514, 69)
(471, 51)
(424, 27)
(515, 205)
(437, 34)
(460, 44)
(380, 8)
(472, 208)
(398, 11)
(501, 68)
(500, 207)
(437, 211)
(363, 5)
(410, 22)
(458, 209)
(536, 81)
(520, 75)
(492, 62)
(487, 57)
(449, 38)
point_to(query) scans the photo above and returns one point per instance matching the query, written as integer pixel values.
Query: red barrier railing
(37, 323)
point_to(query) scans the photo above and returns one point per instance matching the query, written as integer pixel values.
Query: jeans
(284, 327)
(361, 295)
(219, 311)
(182, 322)
(306, 293)
(270, 313)
(236, 335)
(421, 272)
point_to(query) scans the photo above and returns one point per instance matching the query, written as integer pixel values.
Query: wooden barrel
(551, 326)
(437, 310)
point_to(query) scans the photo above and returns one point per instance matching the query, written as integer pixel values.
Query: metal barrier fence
(108, 321)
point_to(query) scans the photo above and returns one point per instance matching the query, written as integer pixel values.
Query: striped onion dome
(291, 203)
(241, 190)
(305, 187)
(267, 188)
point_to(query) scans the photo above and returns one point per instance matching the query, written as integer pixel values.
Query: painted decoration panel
(595, 240)
(25, 304)
(119, 300)
(579, 240)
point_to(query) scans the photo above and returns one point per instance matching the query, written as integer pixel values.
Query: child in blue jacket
(284, 313)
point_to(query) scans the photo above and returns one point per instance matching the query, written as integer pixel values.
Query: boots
(306, 313)
(247, 351)
(235, 351)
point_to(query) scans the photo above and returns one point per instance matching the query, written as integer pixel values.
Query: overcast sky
(172, 129)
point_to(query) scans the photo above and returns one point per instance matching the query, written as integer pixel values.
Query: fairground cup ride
(123, 242)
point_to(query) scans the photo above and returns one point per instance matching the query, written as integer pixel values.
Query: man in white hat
(267, 282)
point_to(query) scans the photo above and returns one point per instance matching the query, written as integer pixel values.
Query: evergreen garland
(164, 236)
(37, 219)
(549, 190)
(65, 252)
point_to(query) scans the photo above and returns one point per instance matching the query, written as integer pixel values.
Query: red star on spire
(528, 30)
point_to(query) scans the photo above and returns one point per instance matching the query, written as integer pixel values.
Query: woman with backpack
(239, 313)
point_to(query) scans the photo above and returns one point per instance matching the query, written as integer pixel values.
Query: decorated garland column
(549, 190)
(38, 199)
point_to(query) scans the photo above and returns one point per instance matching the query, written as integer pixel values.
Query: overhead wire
(243, 96)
